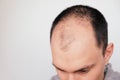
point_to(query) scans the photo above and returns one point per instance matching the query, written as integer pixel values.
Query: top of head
(80, 14)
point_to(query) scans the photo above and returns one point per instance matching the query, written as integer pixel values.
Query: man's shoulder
(111, 74)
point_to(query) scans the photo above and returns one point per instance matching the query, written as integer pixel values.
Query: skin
(75, 53)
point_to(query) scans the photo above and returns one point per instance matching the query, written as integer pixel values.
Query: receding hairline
(96, 18)
(68, 37)
(74, 16)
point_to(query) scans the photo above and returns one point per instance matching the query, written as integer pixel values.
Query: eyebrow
(84, 67)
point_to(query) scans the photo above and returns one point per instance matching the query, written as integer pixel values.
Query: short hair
(96, 18)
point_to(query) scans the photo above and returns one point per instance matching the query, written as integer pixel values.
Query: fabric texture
(109, 74)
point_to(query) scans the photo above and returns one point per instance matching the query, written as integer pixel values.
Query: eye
(83, 71)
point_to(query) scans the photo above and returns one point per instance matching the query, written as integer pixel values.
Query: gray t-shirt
(109, 74)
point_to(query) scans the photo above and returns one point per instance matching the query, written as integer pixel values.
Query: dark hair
(95, 17)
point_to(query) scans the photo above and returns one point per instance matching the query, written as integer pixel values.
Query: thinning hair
(95, 17)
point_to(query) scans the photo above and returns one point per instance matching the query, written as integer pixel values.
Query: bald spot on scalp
(64, 34)
(66, 38)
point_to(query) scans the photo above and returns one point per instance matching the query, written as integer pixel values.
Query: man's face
(76, 55)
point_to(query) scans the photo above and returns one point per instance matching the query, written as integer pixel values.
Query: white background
(24, 35)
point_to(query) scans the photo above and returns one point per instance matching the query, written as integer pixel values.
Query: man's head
(79, 44)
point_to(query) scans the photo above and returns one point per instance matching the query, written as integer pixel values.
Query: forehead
(73, 42)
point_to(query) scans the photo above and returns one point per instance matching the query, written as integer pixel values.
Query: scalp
(67, 32)
(66, 39)
(63, 36)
